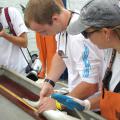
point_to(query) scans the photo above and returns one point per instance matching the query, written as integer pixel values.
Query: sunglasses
(86, 34)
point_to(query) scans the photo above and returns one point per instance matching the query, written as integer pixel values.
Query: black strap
(51, 82)
(9, 21)
(14, 33)
(108, 73)
(117, 88)
(63, 54)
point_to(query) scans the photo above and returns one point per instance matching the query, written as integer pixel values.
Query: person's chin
(99, 46)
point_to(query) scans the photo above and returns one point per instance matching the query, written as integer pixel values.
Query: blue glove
(68, 102)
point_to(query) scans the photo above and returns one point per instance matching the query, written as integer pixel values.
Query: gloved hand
(71, 102)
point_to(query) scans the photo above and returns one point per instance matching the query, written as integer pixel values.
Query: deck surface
(9, 111)
(15, 109)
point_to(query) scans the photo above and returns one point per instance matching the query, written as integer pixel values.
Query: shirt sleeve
(87, 62)
(17, 21)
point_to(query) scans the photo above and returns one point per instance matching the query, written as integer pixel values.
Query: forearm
(57, 68)
(20, 41)
(84, 90)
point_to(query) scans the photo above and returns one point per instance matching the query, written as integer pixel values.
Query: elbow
(25, 45)
(24, 40)
(94, 88)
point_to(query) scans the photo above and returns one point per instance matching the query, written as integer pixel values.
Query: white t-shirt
(10, 54)
(84, 60)
(115, 68)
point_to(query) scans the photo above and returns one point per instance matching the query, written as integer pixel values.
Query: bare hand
(46, 90)
(46, 103)
(2, 33)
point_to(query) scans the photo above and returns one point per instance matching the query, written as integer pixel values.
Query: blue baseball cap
(96, 13)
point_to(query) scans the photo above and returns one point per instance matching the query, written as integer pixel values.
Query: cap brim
(76, 27)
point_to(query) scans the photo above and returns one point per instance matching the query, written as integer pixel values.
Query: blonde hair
(60, 2)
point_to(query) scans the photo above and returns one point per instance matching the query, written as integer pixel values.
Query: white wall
(73, 4)
(76, 4)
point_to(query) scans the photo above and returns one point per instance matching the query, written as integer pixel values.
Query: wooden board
(15, 92)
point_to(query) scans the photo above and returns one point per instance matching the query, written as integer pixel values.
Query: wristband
(50, 81)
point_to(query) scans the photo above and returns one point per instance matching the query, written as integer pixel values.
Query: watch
(50, 81)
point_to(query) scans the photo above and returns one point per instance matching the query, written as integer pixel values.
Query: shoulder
(75, 16)
(12, 9)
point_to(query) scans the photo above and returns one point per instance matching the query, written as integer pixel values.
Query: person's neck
(66, 19)
(117, 45)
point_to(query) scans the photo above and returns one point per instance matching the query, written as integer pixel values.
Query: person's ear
(107, 33)
(55, 18)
